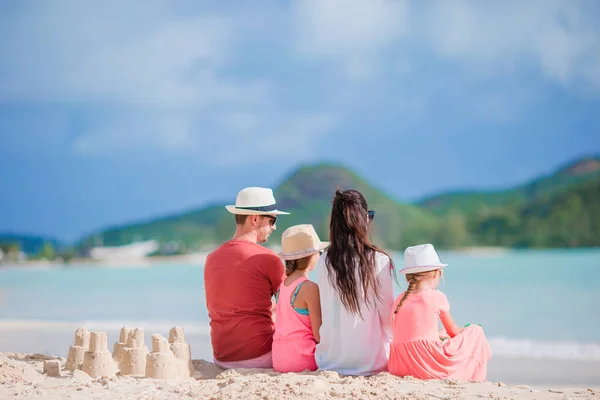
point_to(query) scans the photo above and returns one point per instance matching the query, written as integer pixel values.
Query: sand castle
(133, 356)
(119, 345)
(77, 352)
(98, 361)
(182, 352)
(161, 363)
(52, 368)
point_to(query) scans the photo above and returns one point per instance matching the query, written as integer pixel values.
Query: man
(240, 278)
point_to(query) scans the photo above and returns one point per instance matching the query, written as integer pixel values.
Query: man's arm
(275, 272)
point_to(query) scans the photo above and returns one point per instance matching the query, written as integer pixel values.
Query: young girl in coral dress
(298, 311)
(418, 348)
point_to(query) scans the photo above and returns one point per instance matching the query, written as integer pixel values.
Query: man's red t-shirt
(240, 277)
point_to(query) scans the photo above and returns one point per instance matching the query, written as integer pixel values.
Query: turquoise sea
(541, 304)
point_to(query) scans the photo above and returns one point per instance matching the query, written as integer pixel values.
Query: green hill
(559, 210)
(307, 194)
(192, 229)
(567, 218)
(471, 202)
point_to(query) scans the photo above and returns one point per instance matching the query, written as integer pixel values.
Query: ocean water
(541, 304)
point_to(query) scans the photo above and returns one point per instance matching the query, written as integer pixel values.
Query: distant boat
(133, 251)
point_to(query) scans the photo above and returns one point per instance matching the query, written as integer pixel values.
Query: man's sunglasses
(370, 215)
(273, 220)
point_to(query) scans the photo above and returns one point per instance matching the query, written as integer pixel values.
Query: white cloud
(135, 134)
(169, 77)
(91, 52)
(224, 139)
(350, 32)
(558, 37)
(272, 137)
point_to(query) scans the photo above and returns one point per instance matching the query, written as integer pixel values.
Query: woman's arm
(451, 328)
(313, 302)
(384, 307)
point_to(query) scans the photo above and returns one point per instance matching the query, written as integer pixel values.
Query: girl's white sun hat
(421, 258)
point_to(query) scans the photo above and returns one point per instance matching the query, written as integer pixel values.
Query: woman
(355, 282)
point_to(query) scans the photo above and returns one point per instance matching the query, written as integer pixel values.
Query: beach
(21, 376)
(543, 346)
(34, 342)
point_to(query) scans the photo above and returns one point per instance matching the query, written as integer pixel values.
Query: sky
(118, 111)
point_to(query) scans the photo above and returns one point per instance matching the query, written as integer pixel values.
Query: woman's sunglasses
(370, 215)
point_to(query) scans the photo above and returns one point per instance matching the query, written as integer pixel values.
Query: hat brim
(294, 256)
(422, 268)
(240, 211)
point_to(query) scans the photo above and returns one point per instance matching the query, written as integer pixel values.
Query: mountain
(559, 210)
(471, 202)
(30, 244)
(307, 194)
(195, 228)
(567, 218)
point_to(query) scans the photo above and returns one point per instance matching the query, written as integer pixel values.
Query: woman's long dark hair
(351, 258)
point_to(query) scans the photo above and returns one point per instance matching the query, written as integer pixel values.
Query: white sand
(21, 376)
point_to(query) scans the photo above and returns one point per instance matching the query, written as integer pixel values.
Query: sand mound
(12, 371)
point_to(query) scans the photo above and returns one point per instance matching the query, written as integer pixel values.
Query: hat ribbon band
(310, 250)
(263, 208)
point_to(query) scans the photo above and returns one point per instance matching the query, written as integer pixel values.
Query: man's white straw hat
(255, 201)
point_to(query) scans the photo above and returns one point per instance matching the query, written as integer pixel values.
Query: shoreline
(191, 258)
(200, 256)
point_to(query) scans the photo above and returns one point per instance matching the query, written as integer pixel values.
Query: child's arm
(273, 308)
(451, 328)
(313, 302)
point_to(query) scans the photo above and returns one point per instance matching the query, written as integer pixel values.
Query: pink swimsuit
(293, 341)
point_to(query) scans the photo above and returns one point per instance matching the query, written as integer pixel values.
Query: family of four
(265, 313)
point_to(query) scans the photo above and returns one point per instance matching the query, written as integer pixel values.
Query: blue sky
(115, 111)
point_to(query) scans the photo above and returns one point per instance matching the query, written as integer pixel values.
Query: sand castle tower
(120, 344)
(160, 363)
(98, 361)
(137, 334)
(133, 356)
(76, 352)
(182, 352)
(52, 368)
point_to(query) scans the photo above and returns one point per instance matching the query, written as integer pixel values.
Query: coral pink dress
(417, 350)
(293, 342)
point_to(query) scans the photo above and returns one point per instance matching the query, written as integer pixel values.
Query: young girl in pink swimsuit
(418, 348)
(298, 310)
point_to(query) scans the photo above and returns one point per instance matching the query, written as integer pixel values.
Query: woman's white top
(352, 345)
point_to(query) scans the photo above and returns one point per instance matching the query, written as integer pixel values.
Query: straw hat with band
(300, 241)
(255, 201)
